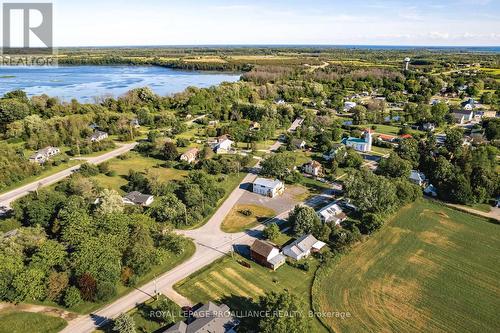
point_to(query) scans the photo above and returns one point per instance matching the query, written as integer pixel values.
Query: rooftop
(266, 182)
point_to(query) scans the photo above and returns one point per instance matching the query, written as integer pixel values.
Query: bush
(72, 297)
(104, 167)
(89, 170)
(245, 212)
(105, 291)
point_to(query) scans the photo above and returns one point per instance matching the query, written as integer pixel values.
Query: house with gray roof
(302, 247)
(209, 318)
(137, 198)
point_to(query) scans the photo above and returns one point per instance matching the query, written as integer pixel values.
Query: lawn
(143, 321)
(430, 269)
(228, 281)
(136, 162)
(237, 221)
(22, 322)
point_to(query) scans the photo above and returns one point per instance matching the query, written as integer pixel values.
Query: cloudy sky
(188, 22)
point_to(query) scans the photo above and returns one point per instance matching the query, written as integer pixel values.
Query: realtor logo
(27, 28)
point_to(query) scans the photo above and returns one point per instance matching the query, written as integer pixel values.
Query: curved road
(8, 197)
(211, 243)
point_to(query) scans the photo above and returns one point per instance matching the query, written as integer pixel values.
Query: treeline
(79, 243)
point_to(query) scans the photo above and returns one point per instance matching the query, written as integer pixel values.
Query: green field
(139, 163)
(23, 322)
(227, 281)
(430, 269)
(236, 221)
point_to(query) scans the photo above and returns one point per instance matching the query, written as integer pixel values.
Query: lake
(86, 82)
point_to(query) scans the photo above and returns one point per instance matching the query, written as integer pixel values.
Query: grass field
(235, 221)
(140, 163)
(430, 269)
(143, 321)
(227, 281)
(23, 322)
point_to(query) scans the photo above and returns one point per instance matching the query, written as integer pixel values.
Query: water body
(87, 82)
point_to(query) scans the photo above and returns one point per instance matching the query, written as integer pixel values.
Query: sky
(187, 22)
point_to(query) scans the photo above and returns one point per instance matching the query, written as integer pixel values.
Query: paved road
(8, 197)
(494, 213)
(211, 243)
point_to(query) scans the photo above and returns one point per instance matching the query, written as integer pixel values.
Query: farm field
(21, 322)
(429, 269)
(237, 286)
(237, 221)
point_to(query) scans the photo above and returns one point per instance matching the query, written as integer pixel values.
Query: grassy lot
(227, 281)
(236, 221)
(136, 162)
(430, 269)
(23, 322)
(143, 322)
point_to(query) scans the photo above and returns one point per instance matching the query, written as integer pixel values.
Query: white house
(137, 198)
(313, 168)
(364, 145)
(190, 155)
(135, 123)
(268, 187)
(429, 127)
(222, 145)
(42, 155)
(302, 247)
(417, 177)
(298, 143)
(98, 136)
(349, 105)
(332, 213)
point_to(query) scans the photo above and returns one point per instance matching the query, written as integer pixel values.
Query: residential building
(431, 190)
(387, 138)
(254, 126)
(296, 123)
(417, 177)
(349, 105)
(484, 114)
(332, 213)
(98, 136)
(266, 254)
(268, 187)
(137, 198)
(364, 145)
(209, 318)
(336, 149)
(313, 168)
(43, 155)
(429, 127)
(462, 117)
(298, 143)
(302, 247)
(190, 155)
(222, 145)
(135, 123)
